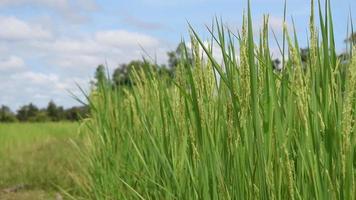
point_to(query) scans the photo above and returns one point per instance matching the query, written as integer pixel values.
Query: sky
(48, 47)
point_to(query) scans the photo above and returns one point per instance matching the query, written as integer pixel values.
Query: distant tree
(122, 74)
(54, 112)
(99, 76)
(165, 71)
(27, 112)
(32, 110)
(76, 113)
(6, 115)
(41, 116)
(174, 57)
(30, 113)
(100, 73)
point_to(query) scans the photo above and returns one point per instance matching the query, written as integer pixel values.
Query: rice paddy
(37, 160)
(230, 129)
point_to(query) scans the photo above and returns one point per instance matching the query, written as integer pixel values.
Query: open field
(36, 159)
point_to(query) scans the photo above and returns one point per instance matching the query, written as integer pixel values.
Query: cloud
(12, 63)
(39, 88)
(82, 54)
(13, 28)
(70, 45)
(123, 38)
(75, 11)
(47, 67)
(36, 78)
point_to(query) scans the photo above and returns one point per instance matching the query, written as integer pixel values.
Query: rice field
(37, 160)
(230, 129)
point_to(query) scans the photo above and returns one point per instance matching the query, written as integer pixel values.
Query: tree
(76, 113)
(121, 75)
(27, 112)
(99, 76)
(6, 115)
(41, 116)
(54, 112)
(174, 57)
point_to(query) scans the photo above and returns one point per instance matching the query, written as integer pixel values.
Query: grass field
(36, 159)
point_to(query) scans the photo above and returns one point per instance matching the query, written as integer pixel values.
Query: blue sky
(46, 46)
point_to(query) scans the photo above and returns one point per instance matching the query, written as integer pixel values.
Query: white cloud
(122, 38)
(70, 46)
(36, 78)
(74, 11)
(28, 86)
(83, 54)
(57, 64)
(12, 63)
(15, 29)
(43, 58)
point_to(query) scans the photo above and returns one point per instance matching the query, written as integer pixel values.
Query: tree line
(52, 113)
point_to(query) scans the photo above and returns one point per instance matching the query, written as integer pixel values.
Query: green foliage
(30, 113)
(54, 112)
(230, 129)
(76, 113)
(41, 116)
(6, 115)
(175, 57)
(100, 75)
(122, 74)
(27, 113)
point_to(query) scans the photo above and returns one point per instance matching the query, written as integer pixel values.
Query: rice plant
(233, 128)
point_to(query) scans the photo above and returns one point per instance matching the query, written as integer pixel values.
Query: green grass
(39, 156)
(252, 133)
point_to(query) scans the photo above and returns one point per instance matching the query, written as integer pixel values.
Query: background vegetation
(31, 113)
